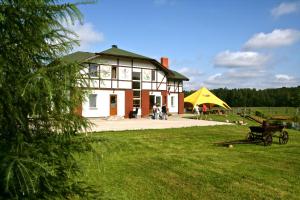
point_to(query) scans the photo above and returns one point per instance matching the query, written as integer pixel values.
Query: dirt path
(142, 123)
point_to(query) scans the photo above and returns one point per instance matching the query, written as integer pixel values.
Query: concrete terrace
(144, 123)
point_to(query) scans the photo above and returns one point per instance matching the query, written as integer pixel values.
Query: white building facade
(121, 82)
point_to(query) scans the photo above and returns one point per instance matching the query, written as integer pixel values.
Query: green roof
(78, 56)
(115, 51)
(177, 76)
(81, 56)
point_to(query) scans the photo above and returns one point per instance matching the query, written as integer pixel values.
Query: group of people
(201, 110)
(160, 113)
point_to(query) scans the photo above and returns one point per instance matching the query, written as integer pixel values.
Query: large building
(121, 82)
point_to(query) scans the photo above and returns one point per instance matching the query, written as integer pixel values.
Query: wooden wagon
(265, 133)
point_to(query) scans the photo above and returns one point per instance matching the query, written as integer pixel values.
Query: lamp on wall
(113, 91)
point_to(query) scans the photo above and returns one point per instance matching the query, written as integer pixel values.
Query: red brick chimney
(164, 62)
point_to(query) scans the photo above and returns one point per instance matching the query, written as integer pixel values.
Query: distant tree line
(279, 97)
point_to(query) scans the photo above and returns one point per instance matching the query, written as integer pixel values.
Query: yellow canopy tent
(204, 96)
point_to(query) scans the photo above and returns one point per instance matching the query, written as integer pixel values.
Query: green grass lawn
(269, 111)
(222, 118)
(186, 164)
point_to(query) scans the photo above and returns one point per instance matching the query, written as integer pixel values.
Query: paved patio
(142, 123)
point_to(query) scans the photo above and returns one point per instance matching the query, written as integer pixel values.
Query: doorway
(151, 102)
(113, 105)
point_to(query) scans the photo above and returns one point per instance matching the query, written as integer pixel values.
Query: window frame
(114, 71)
(172, 101)
(133, 77)
(95, 96)
(153, 75)
(93, 73)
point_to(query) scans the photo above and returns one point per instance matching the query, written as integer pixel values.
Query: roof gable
(115, 51)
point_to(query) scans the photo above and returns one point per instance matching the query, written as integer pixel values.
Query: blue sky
(216, 43)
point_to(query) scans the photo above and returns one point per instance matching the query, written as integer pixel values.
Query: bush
(259, 114)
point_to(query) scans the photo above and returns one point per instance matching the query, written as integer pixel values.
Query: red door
(113, 105)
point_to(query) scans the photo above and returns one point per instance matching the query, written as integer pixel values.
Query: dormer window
(93, 69)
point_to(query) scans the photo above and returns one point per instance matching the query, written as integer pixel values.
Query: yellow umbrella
(204, 96)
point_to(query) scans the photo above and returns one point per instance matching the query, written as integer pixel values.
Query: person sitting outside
(164, 112)
(154, 110)
(157, 112)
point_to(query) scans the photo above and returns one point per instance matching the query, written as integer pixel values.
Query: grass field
(270, 111)
(186, 164)
(222, 118)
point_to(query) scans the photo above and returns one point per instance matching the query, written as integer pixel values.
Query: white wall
(162, 86)
(161, 77)
(146, 86)
(125, 62)
(125, 84)
(143, 64)
(103, 105)
(173, 109)
(124, 73)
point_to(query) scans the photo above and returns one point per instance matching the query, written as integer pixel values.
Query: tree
(267, 97)
(38, 96)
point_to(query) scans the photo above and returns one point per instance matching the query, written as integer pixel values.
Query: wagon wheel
(250, 136)
(284, 138)
(268, 140)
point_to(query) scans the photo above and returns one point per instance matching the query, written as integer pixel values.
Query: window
(114, 72)
(136, 94)
(93, 100)
(158, 100)
(136, 75)
(136, 103)
(136, 85)
(172, 102)
(153, 75)
(93, 69)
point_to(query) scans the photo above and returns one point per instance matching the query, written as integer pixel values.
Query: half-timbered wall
(175, 86)
(133, 81)
(152, 78)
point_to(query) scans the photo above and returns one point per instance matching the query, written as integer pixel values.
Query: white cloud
(277, 38)
(285, 8)
(283, 77)
(214, 77)
(284, 80)
(195, 76)
(250, 79)
(240, 59)
(189, 71)
(86, 34)
(234, 78)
